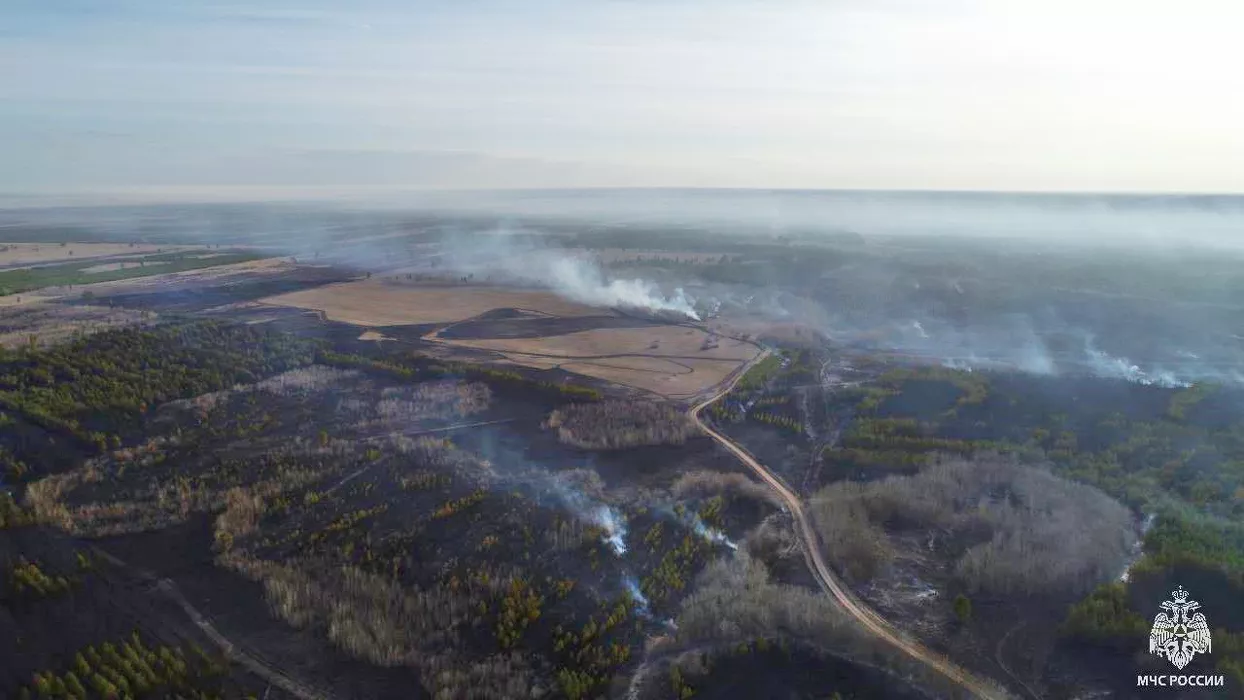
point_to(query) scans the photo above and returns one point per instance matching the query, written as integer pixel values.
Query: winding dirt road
(824, 575)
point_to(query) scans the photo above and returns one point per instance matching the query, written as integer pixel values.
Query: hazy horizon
(217, 100)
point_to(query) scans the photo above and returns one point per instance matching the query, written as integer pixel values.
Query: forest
(462, 565)
(613, 425)
(1030, 488)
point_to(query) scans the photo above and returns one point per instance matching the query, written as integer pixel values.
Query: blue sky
(194, 97)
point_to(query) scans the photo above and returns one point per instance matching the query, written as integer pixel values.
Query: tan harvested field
(666, 360)
(374, 303)
(373, 336)
(31, 253)
(670, 342)
(24, 299)
(674, 382)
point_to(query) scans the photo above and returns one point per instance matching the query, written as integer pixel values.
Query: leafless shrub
(305, 380)
(162, 502)
(707, 483)
(771, 542)
(569, 535)
(430, 400)
(367, 616)
(584, 481)
(857, 546)
(612, 425)
(734, 600)
(499, 677)
(443, 456)
(376, 619)
(243, 510)
(52, 324)
(1034, 532)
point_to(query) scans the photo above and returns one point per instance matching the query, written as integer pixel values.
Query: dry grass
(673, 342)
(51, 324)
(206, 274)
(612, 425)
(31, 253)
(675, 383)
(375, 303)
(671, 361)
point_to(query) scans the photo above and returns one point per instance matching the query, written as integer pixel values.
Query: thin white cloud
(997, 94)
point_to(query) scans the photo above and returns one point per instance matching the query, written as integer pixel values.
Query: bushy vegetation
(700, 484)
(132, 668)
(735, 604)
(760, 373)
(27, 579)
(614, 425)
(1025, 531)
(12, 514)
(95, 392)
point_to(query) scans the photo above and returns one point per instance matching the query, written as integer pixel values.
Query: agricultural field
(668, 360)
(18, 254)
(85, 272)
(376, 303)
(537, 329)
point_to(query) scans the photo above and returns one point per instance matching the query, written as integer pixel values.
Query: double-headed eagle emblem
(1181, 635)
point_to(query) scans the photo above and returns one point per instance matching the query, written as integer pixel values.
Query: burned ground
(537, 326)
(880, 433)
(344, 499)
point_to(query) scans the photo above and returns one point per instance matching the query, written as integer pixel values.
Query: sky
(1028, 95)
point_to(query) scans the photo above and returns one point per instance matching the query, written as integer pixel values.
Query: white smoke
(581, 492)
(583, 281)
(1103, 364)
(632, 587)
(511, 256)
(711, 534)
(614, 526)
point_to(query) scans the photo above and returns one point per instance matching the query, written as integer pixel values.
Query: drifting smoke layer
(582, 281)
(516, 257)
(1106, 365)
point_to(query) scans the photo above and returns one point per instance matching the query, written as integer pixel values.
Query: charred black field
(414, 457)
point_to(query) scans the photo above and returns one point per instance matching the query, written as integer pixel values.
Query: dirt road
(235, 653)
(824, 575)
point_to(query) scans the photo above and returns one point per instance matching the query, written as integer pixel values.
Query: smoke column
(614, 526)
(710, 534)
(637, 595)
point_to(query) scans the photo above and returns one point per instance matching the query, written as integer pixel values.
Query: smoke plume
(514, 256)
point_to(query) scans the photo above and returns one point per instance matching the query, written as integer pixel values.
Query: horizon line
(194, 194)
